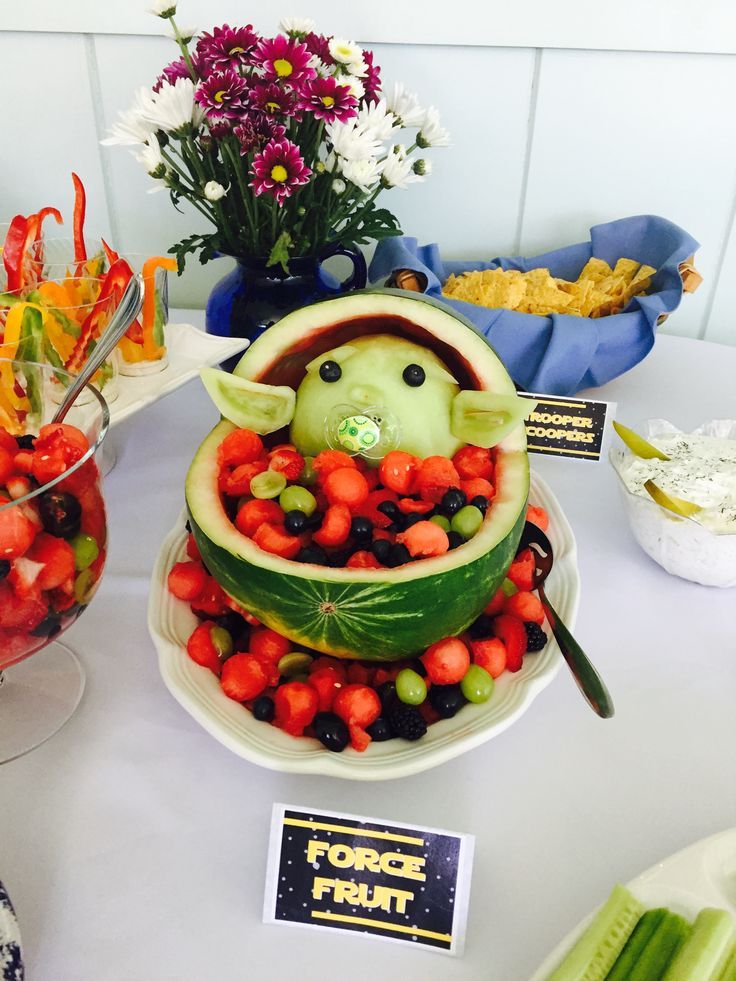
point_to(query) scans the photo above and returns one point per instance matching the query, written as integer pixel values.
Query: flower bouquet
(283, 144)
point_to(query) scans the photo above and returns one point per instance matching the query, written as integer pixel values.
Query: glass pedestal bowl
(53, 538)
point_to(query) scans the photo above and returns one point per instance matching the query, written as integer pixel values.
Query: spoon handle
(124, 315)
(588, 680)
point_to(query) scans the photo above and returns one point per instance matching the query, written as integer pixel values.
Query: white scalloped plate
(170, 623)
(703, 874)
(189, 349)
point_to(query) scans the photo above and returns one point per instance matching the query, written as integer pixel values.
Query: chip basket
(560, 354)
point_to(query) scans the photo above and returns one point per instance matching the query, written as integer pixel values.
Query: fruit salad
(53, 535)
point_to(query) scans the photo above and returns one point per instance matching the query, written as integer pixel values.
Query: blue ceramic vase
(253, 296)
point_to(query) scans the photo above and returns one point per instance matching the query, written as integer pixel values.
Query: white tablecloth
(133, 845)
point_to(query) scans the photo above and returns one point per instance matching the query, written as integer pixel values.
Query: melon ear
(249, 404)
(484, 418)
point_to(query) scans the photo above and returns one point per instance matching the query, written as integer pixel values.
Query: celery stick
(706, 950)
(636, 943)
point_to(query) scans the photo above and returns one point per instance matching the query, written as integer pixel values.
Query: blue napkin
(560, 354)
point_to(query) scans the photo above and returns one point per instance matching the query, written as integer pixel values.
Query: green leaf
(279, 254)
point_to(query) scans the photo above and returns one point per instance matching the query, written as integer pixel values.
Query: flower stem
(183, 48)
(237, 167)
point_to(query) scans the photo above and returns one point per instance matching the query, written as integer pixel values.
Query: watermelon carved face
(399, 393)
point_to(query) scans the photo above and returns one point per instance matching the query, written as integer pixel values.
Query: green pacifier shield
(358, 433)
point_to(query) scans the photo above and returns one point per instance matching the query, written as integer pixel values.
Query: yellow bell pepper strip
(80, 209)
(114, 284)
(9, 349)
(152, 349)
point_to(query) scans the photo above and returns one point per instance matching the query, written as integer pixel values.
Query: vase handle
(360, 271)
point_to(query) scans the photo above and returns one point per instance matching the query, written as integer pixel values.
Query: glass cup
(53, 541)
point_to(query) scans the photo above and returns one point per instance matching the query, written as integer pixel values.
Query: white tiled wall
(546, 140)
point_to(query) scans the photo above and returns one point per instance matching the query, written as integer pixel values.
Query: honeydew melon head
(371, 377)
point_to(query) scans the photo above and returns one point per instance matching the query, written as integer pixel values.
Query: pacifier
(370, 432)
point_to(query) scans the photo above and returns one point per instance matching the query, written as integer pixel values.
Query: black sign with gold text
(388, 880)
(563, 426)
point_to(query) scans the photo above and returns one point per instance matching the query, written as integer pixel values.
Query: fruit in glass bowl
(53, 543)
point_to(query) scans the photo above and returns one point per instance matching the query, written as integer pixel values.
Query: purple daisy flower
(226, 47)
(284, 59)
(327, 100)
(177, 69)
(278, 169)
(223, 93)
(372, 78)
(272, 99)
(219, 125)
(319, 45)
(255, 130)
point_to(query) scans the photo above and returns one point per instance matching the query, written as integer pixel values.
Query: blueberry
(61, 513)
(418, 666)
(314, 521)
(398, 555)
(331, 731)
(312, 553)
(4, 568)
(481, 503)
(330, 371)
(414, 375)
(452, 501)
(338, 560)
(26, 442)
(455, 539)
(380, 548)
(387, 693)
(264, 709)
(412, 519)
(234, 623)
(361, 529)
(49, 627)
(380, 730)
(390, 509)
(446, 700)
(295, 522)
(482, 627)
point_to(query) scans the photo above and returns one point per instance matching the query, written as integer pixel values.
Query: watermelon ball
(525, 606)
(397, 471)
(473, 461)
(467, 521)
(201, 649)
(335, 528)
(328, 460)
(411, 687)
(538, 516)
(436, 475)
(237, 483)
(296, 705)
(358, 706)
(240, 446)
(286, 460)
(186, 580)
(269, 644)
(331, 731)
(446, 700)
(347, 486)
(446, 661)
(256, 512)
(490, 654)
(477, 685)
(424, 539)
(477, 487)
(57, 558)
(16, 533)
(276, 540)
(243, 677)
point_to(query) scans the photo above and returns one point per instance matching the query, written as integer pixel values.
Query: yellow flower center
(273, 106)
(283, 67)
(219, 96)
(279, 173)
(236, 50)
(328, 101)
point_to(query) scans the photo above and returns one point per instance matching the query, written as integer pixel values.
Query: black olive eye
(330, 371)
(414, 375)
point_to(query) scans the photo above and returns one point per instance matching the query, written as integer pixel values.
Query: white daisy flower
(214, 191)
(377, 120)
(358, 68)
(352, 143)
(163, 8)
(353, 85)
(296, 25)
(174, 109)
(185, 33)
(151, 158)
(365, 173)
(430, 131)
(422, 167)
(405, 106)
(339, 186)
(132, 127)
(397, 170)
(346, 52)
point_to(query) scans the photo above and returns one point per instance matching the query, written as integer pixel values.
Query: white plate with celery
(630, 938)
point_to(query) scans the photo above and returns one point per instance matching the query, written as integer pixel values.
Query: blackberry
(455, 539)
(380, 730)
(407, 722)
(452, 501)
(380, 548)
(4, 568)
(331, 731)
(26, 442)
(312, 553)
(61, 513)
(398, 555)
(481, 503)
(264, 709)
(295, 522)
(446, 700)
(536, 638)
(482, 627)
(361, 529)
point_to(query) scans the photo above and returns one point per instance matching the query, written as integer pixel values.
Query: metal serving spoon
(588, 680)
(125, 313)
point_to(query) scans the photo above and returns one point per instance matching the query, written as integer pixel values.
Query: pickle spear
(685, 509)
(637, 444)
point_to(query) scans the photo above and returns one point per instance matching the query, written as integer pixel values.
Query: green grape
(222, 642)
(509, 588)
(410, 687)
(268, 484)
(441, 520)
(82, 585)
(296, 498)
(467, 521)
(308, 476)
(477, 685)
(86, 551)
(293, 663)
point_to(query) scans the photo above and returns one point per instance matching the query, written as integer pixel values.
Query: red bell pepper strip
(39, 219)
(112, 255)
(80, 208)
(14, 250)
(117, 278)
